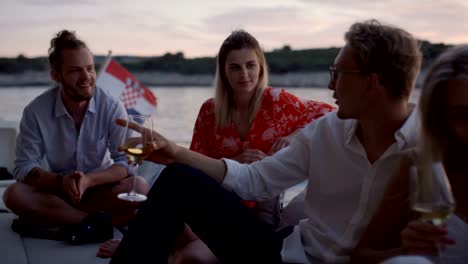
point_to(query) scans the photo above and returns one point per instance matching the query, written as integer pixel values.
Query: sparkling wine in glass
(432, 199)
(136, 146)
(431, 195)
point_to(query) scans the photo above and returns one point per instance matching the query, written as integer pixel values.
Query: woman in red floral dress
(247, 120)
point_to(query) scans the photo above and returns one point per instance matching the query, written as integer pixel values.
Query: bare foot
(107, 249)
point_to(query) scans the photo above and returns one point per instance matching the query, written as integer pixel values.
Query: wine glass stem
(135, 169)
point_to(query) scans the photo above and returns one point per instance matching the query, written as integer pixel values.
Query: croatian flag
(121, 84)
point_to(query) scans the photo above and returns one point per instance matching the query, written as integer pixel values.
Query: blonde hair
(388, 51)
(450, 65)
(224, 100)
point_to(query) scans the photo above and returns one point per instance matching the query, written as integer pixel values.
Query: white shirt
(344, 189)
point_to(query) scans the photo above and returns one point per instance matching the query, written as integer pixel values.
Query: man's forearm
(213, 167)
(114, 173)
(42, 179)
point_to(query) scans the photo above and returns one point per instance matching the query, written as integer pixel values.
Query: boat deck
(18, 250)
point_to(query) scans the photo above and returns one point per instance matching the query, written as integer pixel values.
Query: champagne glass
(431, 195)
(135, 144)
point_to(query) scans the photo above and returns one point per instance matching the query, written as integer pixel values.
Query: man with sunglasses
(348, 157)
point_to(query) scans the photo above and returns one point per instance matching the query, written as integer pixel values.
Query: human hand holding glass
(136, 145)
(431, 195)
(162, 150)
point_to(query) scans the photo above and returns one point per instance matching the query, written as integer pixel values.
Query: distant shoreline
(308, 79)
(293, 79)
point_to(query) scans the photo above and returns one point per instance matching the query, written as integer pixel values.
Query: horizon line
(209, 56)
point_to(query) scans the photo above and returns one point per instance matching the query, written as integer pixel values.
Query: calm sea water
(174, 117)
(177, 106)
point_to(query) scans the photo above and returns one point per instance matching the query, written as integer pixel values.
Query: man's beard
(76, 96)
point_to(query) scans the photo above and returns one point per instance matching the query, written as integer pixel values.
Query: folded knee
(194, 253)
(141, 185)
(10, 194)
(180, 173)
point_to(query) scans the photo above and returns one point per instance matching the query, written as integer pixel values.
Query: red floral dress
(280, 114)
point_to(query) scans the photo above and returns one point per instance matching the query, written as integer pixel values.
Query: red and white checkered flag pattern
(121, 84)
(131, 94)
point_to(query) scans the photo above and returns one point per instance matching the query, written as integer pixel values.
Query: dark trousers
(181, 195)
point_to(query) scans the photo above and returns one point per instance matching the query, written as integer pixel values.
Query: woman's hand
(283, 142)
(163, 151)
(250, 155)
(280, 143)
(424, 238)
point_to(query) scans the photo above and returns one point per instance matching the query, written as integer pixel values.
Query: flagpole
(104, 64)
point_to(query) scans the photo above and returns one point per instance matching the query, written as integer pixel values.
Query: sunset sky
(198, 27)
